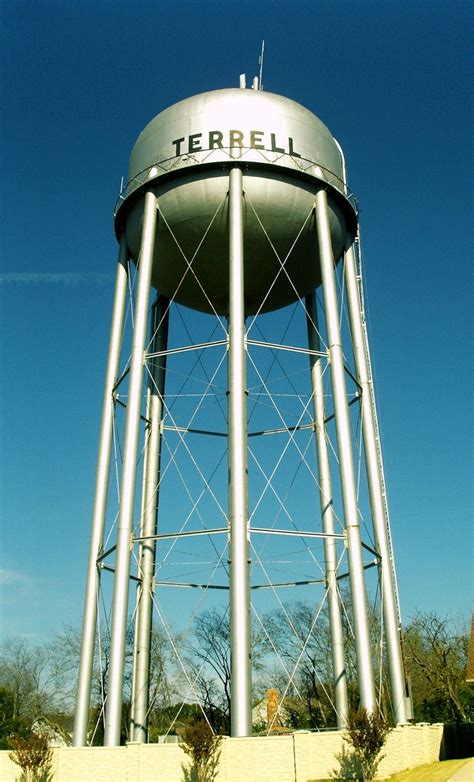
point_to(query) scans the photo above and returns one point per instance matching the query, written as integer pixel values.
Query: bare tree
(436, 653)
(300, 634)
(40, 681)
(36, 676)
(305, 650)
(209, 664)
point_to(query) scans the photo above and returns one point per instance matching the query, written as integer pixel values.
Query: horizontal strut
(291, 348)
(182, 585)
(124, 404)
(297, 533)
(190, 534)
(112, 570)
(260, 530)
(187, 348)
(185, 430)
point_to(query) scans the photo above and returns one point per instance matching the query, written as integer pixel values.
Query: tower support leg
(327, 515)
(151, 479)
(241, 723)
(81, 721)
(113, 712)
(346, 464)
(373, 458)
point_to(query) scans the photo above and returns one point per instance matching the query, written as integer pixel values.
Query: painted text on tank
(216, 139)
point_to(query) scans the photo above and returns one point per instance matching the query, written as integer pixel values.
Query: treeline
(190, 678)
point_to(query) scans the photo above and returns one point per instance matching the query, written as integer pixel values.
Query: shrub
(33, 755)
(203, 747)
(366, 734)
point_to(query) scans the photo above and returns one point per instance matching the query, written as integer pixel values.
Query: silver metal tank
(285, 152)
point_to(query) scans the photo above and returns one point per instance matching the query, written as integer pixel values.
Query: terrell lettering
(253, 139)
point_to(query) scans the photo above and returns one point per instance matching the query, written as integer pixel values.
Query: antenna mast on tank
(260, 62)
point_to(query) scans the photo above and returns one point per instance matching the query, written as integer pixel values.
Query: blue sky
(80, 80)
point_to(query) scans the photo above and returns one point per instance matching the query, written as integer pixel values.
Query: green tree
(9, 723)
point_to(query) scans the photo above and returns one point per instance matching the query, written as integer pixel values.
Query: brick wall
(296, 757)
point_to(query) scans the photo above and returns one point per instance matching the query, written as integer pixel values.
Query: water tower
(237, 205)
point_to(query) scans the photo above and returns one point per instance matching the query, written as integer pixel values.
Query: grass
(433, 772)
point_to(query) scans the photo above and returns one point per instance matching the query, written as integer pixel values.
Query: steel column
(81, 721)
(327, 515)
(346, 465)
(129, 470)
(241, 722)
(373, 459)
(151, 484)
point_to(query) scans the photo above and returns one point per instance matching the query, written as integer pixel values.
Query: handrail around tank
(245, 154)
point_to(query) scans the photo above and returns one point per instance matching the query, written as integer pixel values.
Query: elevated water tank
(183, 155)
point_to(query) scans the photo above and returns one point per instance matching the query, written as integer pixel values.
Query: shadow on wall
(458, 741)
